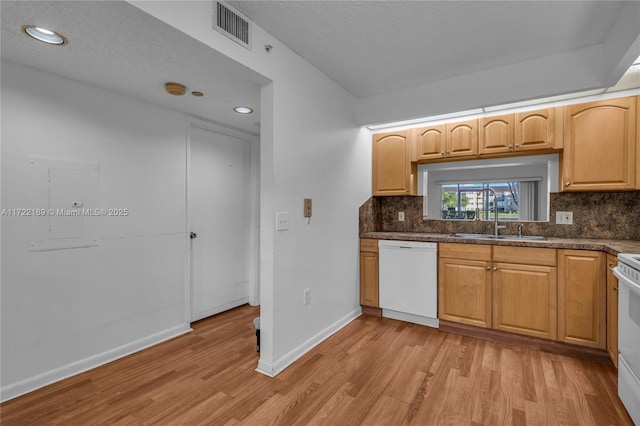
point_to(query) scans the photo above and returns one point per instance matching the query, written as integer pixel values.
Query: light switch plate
(564, 218)
(282, 221)
(307, 207)
(401, 216)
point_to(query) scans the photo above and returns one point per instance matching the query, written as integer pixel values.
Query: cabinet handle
(375, 258)
(615, 289)
(510, 146)
(567, 183)
(442, 153)
(488, 268)
(517, 146)
(495, 268)
(448, 152)
(407, 190)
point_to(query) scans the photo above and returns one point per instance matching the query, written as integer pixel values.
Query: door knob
(192, 235)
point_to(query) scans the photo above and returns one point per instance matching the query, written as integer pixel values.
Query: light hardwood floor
(373, 372)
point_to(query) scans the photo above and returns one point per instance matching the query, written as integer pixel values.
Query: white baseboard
(278, 366)
(416, 319)
(25, 386)
(220, 308)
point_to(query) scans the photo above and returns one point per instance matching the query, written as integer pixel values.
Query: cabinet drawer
(525, 255)
(369, 245)
(465, 251)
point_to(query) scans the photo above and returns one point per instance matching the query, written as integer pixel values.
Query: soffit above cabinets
(371, 47)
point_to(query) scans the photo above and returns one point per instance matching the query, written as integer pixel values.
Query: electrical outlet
(307, 296)
(564, 218)
(282, 221)
(401, 216)
(307, 207)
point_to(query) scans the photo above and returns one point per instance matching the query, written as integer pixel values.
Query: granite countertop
(609, 246)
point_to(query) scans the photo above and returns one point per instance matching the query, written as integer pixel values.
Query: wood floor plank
(375, 371)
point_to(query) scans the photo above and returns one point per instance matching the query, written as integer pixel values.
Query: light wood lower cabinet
(465, 291)
(524, 299)
(612, 310)
(582, 298)
(464, 283)
(524, 291)
(369, 294)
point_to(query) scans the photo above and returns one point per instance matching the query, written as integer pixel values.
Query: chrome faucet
(520, 226)
(496, 227)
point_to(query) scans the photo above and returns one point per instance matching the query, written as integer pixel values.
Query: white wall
(67, 310)
(311, 147)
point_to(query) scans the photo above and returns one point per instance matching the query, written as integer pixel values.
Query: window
(463, 190)
(475, 201)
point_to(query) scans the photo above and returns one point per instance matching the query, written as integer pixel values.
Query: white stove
(628, 273)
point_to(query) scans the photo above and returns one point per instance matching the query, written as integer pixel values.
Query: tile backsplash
(607, 215)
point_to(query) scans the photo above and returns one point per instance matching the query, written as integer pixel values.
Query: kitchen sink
(475, 236)
(500, 237)
(522, 238)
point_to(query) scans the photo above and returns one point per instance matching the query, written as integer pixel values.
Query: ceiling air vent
(232, 23)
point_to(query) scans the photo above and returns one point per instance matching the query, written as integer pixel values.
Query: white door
(219, 215)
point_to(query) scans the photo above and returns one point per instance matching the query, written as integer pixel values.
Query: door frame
(254, 221)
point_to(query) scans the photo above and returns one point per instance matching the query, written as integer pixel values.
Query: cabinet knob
(567, 183)
(510, 146)
(615, 289)
(407, 190)
(447, 152)
(517, 145)
(488, 268)
(441, 152)
(495, 268)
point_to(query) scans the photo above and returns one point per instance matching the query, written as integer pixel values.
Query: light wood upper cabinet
(464, 284)
(523, 131)
(600, 146)
(582, 298)
(496, 134)
(612, 310)
(369, 288)
(393, 173)
(461, 138)
(429, 142)
(538, 129)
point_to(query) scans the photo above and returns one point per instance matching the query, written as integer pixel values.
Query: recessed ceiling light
(44, 35)
(197, 93)
(243, 110)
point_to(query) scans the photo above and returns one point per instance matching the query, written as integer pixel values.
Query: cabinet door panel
(462, 138)
(496, 134)
(465, 291)
(369, 279)
(391, 164)
(430, 142)
(582, 298)
(524, 300)
(535, 130)
(600, 145)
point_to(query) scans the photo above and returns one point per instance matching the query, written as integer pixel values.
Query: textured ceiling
(370, 47)
(115, 45)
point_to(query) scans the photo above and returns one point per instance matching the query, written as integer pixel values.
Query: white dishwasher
(409, 281)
